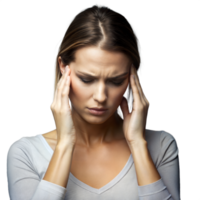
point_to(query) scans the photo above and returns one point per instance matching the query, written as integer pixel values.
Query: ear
(61, 65)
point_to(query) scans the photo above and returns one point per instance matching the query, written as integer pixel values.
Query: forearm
(145, 169)
(59, 166)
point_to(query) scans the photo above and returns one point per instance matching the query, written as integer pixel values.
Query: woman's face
(103, 89)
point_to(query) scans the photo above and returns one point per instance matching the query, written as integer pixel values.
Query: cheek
(117, 94)
(77, 90)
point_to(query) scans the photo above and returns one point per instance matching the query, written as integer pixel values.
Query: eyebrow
(110, 78)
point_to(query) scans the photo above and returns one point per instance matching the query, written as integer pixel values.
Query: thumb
(124, 107)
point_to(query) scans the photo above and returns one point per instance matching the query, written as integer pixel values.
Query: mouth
(98, 109)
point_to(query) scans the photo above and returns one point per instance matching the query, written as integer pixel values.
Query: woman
(95, 154)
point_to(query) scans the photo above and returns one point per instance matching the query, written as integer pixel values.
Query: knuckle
(52, 106)
(59, 89)
(63, 94)
(59, 112)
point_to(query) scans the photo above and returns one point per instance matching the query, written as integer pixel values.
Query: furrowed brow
(110, 78)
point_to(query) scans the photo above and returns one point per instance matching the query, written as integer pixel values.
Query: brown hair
(98, 26)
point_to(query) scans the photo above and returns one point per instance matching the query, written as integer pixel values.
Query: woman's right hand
(62, 112)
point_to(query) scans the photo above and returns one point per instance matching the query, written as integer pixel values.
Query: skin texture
(94, 131)
(104, 142)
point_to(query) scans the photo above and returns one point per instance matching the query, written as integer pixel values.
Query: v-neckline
(84, 185)
(108, 185)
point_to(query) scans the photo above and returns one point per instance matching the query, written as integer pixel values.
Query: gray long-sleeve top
(28, 159)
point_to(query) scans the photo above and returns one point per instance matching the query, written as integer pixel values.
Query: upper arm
(22, 177)
(169, 166)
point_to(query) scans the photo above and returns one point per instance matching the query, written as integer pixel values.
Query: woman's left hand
(135, 122)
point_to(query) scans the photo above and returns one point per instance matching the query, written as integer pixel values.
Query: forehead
(96, 60)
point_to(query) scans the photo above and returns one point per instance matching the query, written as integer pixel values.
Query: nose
(100, 93)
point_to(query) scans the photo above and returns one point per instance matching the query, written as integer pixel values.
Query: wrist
(65, 145)
(137, 144)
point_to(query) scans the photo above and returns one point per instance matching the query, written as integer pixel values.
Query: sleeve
(24, 182)
(168, 186)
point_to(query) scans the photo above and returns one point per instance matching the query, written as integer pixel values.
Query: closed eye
(113, 82)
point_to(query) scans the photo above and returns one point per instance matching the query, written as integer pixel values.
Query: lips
(98, 109)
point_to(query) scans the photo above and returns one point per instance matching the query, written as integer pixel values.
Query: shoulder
(18, 153)
(27, 153)
(162, 137)
(22, 146)
(22, 142)
(161, 145)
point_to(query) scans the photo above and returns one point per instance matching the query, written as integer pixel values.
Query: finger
(135, 86)
(56, 89)
(65, 94)
(141, 88)
(60, 87)
(145, 98)
(124, 107)
(136, 95)
(139, 85)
